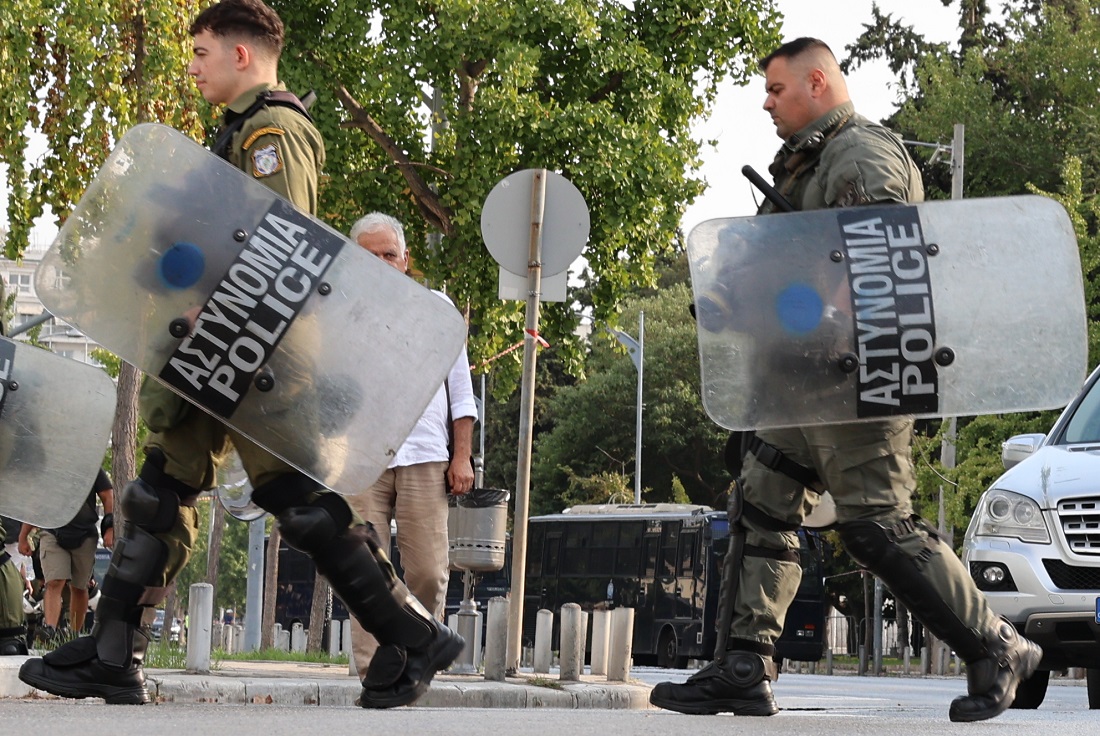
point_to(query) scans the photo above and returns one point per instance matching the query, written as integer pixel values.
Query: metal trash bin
(477, 525)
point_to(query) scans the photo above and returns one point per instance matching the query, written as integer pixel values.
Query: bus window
(670, 536)
(649, 555)
(628, 555)
(575, 557)
(534, 542)
(553, 552)
(605, 536)
(687, 566)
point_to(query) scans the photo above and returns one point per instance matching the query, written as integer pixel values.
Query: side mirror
(1019, 448)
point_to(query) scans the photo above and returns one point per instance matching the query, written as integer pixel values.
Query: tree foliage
(1025, 89)
(590, 427)
(75, 75)
(603, 92)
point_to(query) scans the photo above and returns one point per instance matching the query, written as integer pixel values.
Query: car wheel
(1030, 693)
(667, 649)
(1092, 679)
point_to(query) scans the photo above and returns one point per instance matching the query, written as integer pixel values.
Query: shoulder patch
(258, 133)
(266, 161)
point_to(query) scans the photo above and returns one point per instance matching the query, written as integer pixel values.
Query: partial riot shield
(55, 423)
(938, 309)
(249, 308)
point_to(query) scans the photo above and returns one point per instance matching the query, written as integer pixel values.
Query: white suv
(1033, 544)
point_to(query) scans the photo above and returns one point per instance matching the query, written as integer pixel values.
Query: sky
(744, 132)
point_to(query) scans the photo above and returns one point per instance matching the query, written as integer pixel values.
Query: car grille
(1072, 577)
(1080, 519)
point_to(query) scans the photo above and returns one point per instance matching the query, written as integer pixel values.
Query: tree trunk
(319, 614)
(124, 434)
(217, 532)
(271, 590)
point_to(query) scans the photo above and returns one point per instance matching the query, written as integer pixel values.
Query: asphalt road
(812, 704)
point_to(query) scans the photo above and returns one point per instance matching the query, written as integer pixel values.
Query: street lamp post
(636, 349)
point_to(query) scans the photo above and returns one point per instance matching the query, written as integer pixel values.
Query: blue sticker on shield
(799, 308)
(181, 265)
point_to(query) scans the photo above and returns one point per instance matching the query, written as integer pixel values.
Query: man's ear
(242, 55)
(819, 82)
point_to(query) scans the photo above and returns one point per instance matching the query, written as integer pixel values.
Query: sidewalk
(296, 683)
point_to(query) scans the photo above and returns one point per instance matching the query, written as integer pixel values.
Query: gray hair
(374, 220)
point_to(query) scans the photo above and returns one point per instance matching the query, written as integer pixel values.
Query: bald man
(833, 157)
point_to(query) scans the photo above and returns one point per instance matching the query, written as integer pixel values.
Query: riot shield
(249, 308)
(939, 309)
(55, 423)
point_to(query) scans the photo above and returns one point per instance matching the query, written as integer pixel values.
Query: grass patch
(278, 655)
(545, 682)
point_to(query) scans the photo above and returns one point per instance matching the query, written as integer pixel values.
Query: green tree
(602, 91)
(591, 426)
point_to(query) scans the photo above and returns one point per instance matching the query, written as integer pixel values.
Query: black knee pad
(152, 509)
(311, 527)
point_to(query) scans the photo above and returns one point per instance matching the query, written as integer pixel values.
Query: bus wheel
(668, 651)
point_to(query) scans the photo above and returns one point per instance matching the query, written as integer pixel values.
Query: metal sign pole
(526, 424)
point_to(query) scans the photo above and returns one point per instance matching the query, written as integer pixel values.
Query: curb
(291, 684)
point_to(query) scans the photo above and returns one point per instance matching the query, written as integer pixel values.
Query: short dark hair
(250, 18)
(794, 48)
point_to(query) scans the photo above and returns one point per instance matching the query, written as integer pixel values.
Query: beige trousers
(416, 497)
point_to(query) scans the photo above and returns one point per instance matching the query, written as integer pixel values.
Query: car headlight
(1007, 514)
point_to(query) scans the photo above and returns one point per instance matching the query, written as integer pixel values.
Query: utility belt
(4, 557)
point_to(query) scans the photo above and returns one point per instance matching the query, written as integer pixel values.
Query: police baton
(767, 189)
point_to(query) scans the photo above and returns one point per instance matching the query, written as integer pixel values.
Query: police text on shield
(251, 310)
(892, 311)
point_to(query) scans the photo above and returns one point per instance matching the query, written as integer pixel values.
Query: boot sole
(443, 659)
(113, 696)
(714, 707)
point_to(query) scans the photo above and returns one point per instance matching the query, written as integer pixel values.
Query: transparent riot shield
(939, 309)
(55, 423)
(249, 308)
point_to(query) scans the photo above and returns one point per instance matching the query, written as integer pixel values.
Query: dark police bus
(664, 561)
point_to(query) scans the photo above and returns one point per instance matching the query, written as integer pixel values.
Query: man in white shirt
(413, 490)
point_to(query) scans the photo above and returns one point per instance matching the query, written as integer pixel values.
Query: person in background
(413, 490)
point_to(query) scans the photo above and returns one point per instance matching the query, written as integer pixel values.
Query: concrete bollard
(334, 630)
(544, 632)
(571, 647)
(283, 642)
(906, 657)
(829, 661)
(200, 612)
(621, 644)
(297, 637)
(238, 638)
(467, 624)
(496, 639)
(601, 631)
(345, 636)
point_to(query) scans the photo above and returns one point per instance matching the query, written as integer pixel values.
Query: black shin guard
(876, 548)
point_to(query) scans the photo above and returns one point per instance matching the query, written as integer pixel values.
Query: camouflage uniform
(282, 149)
(13, 632)
(841, 160)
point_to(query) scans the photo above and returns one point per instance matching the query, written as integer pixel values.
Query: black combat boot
(413, 645)
(109, 663)
(991, 681)
(738, 683)
(13, 641)
(76, 670)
